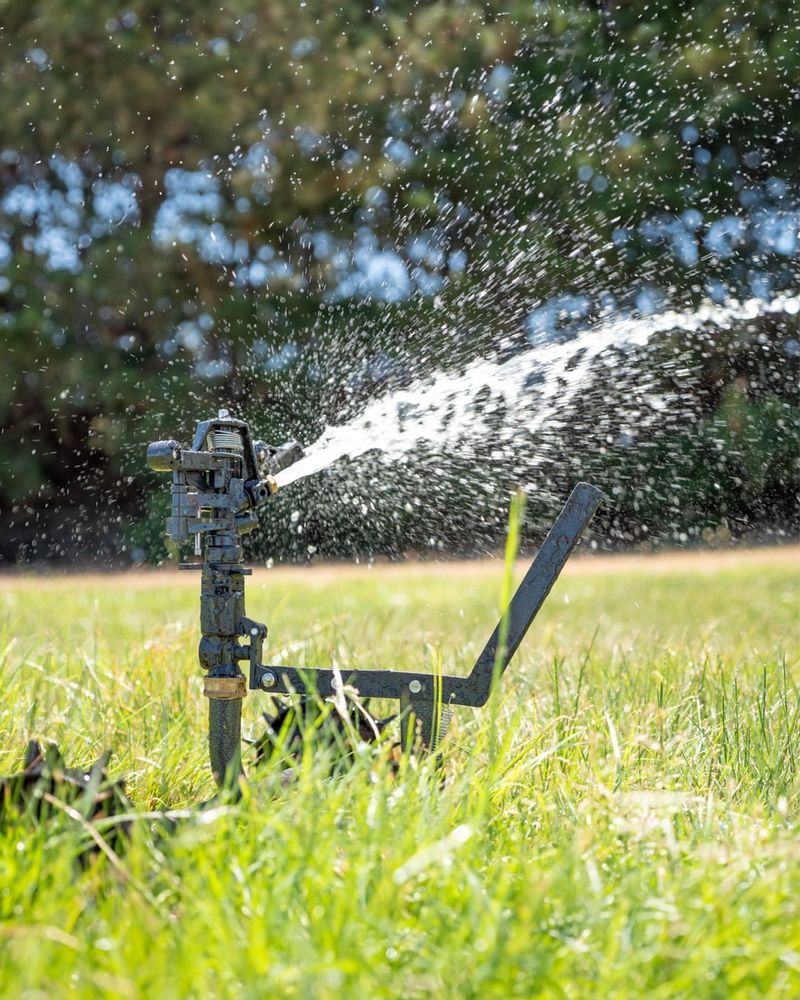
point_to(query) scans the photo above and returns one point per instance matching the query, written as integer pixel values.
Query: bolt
(268, 680)
(254, 632)
(415, 687)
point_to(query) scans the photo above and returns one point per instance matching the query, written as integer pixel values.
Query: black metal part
(225, 739)
(532, 592)
(278, 459)
(423, 720)
(474, 689)
(217, 485)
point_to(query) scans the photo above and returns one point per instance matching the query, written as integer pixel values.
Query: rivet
(415, 687)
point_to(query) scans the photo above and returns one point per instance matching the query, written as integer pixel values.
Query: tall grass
(622, 821)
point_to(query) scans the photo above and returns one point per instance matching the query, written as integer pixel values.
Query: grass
(630, 828)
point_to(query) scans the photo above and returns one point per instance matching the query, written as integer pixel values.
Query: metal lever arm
(536, 585)
(473, 690)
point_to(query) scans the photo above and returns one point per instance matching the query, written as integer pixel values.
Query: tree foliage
(273, 206)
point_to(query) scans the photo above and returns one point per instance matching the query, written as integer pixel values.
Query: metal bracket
(257, 633)
(423, 692)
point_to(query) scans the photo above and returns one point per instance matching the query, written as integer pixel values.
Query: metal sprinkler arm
(474, 689)
(537, 583)
(217, 485)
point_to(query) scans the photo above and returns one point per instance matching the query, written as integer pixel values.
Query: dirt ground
(703, 561)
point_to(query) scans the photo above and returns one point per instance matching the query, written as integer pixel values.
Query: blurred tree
(273, 206)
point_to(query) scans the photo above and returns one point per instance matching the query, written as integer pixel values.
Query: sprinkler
(217, 486)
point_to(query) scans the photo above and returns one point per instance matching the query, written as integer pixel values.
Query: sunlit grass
(632, 829)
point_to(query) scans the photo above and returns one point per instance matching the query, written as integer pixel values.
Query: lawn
(622, 820)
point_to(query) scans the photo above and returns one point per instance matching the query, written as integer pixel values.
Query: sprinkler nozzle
(276, 459)
(164, 456)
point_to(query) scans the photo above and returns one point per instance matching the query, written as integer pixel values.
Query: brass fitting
(225, 688)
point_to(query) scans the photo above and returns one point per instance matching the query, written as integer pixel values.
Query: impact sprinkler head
(217, 486)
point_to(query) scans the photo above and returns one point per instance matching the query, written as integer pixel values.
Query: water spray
(218, 485)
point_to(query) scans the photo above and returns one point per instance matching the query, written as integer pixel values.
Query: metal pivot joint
(217, 486)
